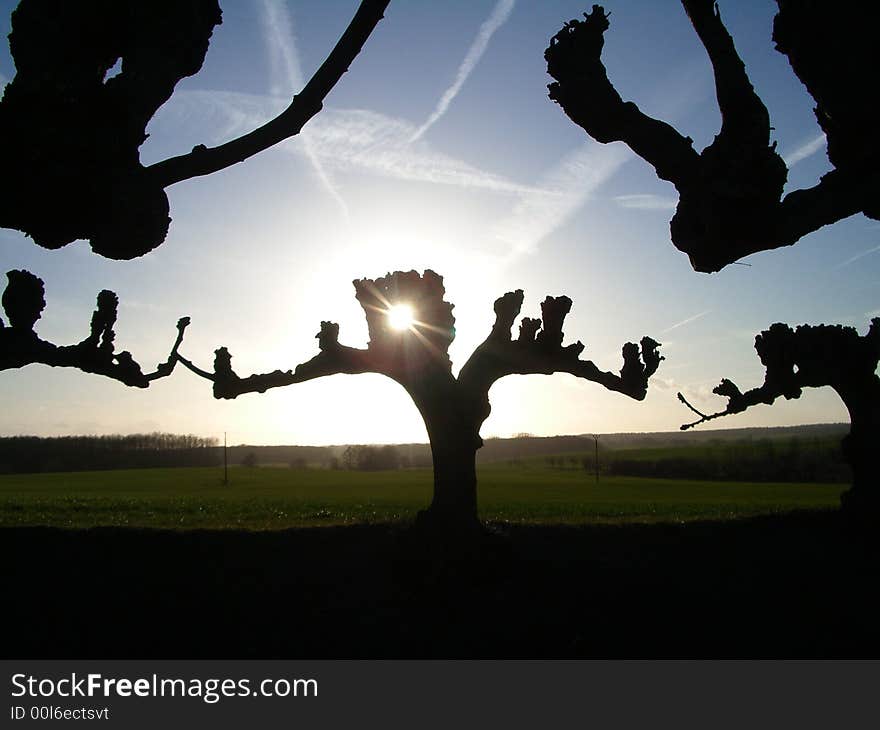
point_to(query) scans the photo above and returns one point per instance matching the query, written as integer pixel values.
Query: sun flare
(400, 317)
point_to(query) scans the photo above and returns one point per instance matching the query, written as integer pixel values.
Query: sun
(400, 317)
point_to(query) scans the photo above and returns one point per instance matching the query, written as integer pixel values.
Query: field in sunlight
(277, 498)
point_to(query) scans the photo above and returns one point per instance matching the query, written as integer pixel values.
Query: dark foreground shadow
(799, 585)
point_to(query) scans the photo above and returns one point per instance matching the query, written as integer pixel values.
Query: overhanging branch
(206, 160)
(71, 133)
(731, 195)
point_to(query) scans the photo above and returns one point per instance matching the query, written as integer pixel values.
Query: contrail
(284, 65)
(499, 16)
(856, 257)
(646, 202)
(685, 321)
(560, 193)
(807, 149)
(342, 139)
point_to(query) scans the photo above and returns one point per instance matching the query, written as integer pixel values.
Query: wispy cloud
(375, 142)
(646, 202)
(561, 192)
(683, 322)
(855, 258)
(805, 150)
(286, 76)
(500, 13)
(285, 73)
(340, 139)
(661, 383)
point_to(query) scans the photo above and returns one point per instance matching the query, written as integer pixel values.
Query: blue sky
(440, 149)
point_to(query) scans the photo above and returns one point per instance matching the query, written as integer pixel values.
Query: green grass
(280, 498)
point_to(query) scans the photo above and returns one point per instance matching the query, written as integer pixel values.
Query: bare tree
(23, 301)
(416, 357)
(70, 135)
(813, 357)
(731, 194)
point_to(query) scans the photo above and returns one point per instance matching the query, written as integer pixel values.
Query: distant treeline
(526, 446)
(297, 457)
(351, 458)
(799, 453)
(377, 458)
(28, 454)
(748, 460)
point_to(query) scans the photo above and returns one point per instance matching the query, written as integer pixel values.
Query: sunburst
(400, 317)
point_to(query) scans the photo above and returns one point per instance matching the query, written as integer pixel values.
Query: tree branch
(411, 357)
(333, 359)
(417, 357)
(589, 99)
(23, 302)
(737, 401)
(744, 118)
(807, 357)
(78, 133)
(206, 160)
(540, 351)
(730, 195)
(166, 368)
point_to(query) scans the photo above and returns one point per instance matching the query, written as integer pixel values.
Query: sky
(439, 149)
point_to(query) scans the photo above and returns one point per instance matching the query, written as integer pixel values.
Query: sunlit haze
(439, 149)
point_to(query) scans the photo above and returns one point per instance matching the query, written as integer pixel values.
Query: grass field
(277, 498)
(629, 568)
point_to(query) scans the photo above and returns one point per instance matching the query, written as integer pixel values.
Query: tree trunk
(453, 430)
(453, 508)
(862, 500)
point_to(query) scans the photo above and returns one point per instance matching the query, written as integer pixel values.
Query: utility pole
(225, 462)
(596, 439)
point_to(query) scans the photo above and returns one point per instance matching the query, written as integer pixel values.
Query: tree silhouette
(731, 200)
(813, 357)
(70, 135)
(416, 357)
(23, 301)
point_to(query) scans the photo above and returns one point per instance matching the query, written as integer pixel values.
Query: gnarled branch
(407, 356)
(334, 359)
(812, 357)
(206, 160)
(23, 301)
(417, 357)
(73, 136)
(730, 194)
(806, 357)
(538, 350)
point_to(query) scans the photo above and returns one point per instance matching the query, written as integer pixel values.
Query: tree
(731, 194)
(372, 458)
(813, 357)
(70, 135)
(416, 356)
(23, 301)
(731, 200)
